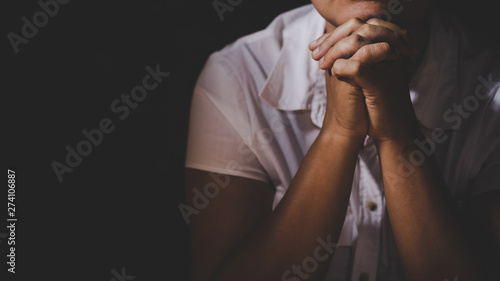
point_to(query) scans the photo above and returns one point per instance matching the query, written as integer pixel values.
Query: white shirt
(259, 104)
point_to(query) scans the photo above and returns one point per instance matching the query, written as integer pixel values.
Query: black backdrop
(119, 207)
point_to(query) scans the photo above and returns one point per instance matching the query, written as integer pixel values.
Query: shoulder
(479, 72)
(479, 64)
(478, 67)
(256, 54)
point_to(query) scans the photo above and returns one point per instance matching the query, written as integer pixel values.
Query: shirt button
(364, 277)
(372, 206)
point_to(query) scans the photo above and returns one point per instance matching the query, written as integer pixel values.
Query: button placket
(371, 205)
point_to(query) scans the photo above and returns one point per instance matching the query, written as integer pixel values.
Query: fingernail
(313, 43)
(321, 60)
(316, 51)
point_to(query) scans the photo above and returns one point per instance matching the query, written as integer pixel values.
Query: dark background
(119, 207)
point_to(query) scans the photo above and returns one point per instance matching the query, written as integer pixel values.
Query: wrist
(348, 141)
(401, 144)
(401, 136)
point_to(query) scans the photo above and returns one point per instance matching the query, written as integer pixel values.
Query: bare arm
(431, 243)
(237, 237)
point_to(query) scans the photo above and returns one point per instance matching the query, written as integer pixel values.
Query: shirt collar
(286, 88)
(433, 89)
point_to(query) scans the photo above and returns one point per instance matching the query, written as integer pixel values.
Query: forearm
(314, 207)
(430, 241)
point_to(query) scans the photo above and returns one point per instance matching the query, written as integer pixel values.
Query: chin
(401, 12)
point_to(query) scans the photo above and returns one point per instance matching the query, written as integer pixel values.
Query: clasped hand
(368, 69)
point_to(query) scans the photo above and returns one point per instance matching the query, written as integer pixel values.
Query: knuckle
(386, 47)
(366, 29)
(328, 42)
(356, 40)
(328, 56)
(328, 39)
(375, 21)
(365, 52)
(325, 37)
(343, 46)
(396, 35)
(356, 68)
(336, 67)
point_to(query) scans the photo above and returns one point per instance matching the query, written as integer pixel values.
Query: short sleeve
(219, 125)
(488, 146)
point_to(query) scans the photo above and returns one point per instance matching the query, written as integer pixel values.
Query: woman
(372, 155)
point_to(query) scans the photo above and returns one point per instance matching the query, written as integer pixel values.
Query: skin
(238, 236)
